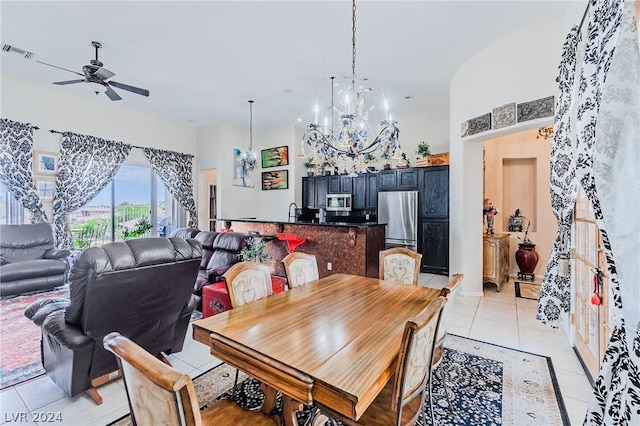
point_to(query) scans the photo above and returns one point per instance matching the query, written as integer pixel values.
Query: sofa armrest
(215, 274)
(56, 254)
(39, 310)
(68, 335)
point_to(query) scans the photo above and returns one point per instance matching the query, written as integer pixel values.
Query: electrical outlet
(329, 266)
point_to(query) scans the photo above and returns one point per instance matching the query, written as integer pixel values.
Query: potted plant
(328, 167)
(423, 150)
(255, 251)
(309, 165)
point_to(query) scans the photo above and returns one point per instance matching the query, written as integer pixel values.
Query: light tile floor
(498, 318)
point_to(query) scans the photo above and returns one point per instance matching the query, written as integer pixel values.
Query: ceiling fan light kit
(94, 73)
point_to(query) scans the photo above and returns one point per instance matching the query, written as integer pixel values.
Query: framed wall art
(45, 187)
(275, 157)
(45, 162)
(242, 172)
(277, 179)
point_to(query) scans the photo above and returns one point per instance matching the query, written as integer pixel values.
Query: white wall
(52, 107)
(215, 150)
(518, 68)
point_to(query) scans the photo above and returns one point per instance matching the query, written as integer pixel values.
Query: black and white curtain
(16, 166)
(87, 164)
(606, 152)
(175, 171)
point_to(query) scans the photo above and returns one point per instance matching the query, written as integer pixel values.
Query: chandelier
(248, 159)
(345, 144)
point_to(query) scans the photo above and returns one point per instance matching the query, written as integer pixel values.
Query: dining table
(334, 341)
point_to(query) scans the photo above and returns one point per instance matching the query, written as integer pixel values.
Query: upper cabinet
(434, 192)
(340, 184)
(398, 179)
(365, 192)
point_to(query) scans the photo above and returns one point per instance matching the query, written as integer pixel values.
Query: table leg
(289, 409)
(270, 395)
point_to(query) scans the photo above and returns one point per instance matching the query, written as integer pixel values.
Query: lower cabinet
(495, 258)
(433, 244)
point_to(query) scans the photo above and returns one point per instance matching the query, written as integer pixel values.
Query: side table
(495, 258)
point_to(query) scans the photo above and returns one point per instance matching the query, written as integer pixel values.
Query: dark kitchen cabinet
(433, 216)
(308, 192)
(433, 236)
(372, 191)
(398, 180)
(340, 184)
(434, 192)
(322, 187)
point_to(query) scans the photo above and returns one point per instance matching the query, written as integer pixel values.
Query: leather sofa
(220, 251)
(29, 260)
(141, 288)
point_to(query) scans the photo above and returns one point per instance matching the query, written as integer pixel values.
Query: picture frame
(275, 157)
(45, 162)
(275, 179)
(45, 187)
(242, 172)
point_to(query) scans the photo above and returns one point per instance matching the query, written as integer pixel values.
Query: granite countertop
(310, 223)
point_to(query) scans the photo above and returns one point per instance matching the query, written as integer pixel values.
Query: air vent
(17, 51)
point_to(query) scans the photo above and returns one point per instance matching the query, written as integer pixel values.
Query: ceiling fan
(96, 74)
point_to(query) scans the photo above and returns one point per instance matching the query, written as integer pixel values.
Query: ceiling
(202, 60)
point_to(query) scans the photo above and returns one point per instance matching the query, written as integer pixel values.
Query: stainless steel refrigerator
(399, 210)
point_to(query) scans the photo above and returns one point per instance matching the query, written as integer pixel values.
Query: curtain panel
(555, 296)
(16, 166)
(87, 164)
(175, 171)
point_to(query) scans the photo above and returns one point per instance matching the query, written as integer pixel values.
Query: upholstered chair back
(301, 268)
(415, 357)
(20, 243)
(400, 265)
(449, 291)
(248, 282)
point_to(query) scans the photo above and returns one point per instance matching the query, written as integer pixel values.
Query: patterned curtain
(16, 166)
(87, 165)
(555, 294)
(608, 158)
(174, 169)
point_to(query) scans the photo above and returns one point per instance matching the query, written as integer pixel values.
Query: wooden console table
(495, 258)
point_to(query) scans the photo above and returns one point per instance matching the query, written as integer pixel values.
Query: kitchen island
(339, 247)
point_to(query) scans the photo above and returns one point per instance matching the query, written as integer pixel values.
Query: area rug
(485, 385)
(20, 338)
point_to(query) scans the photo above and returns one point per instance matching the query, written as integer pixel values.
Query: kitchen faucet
(295, 207)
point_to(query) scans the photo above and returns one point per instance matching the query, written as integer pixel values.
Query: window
(135, 204)
(11, 210)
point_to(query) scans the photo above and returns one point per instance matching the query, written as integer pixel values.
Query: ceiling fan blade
(104, 73)
(112, 94)
(55, 66)
(139, 91)
(62, 83)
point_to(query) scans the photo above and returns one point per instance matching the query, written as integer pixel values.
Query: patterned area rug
(485, 385)
(20, 338)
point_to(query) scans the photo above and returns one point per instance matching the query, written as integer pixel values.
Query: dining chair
(400, 264)
(158, 394)
(301, 268)
(449, 291)
(247, 282)
(402, 399)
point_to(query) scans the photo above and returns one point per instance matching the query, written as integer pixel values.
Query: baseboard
(584, 367)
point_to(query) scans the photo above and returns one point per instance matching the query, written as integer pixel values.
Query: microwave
(339, 202)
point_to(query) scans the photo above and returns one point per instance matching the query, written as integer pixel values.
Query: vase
(527, 259)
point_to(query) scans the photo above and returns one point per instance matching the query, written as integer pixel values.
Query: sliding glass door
(135, 204)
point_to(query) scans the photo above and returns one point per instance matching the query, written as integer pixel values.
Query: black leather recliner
(141, 288)
(29, 260)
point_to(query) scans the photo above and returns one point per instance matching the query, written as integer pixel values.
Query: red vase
(527, 259)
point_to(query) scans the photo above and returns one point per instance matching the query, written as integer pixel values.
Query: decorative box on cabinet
(495, 258)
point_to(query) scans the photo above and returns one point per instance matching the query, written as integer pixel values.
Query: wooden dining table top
(342, 331)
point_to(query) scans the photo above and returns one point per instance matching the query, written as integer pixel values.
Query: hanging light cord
(250, 125)
(353, 40)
